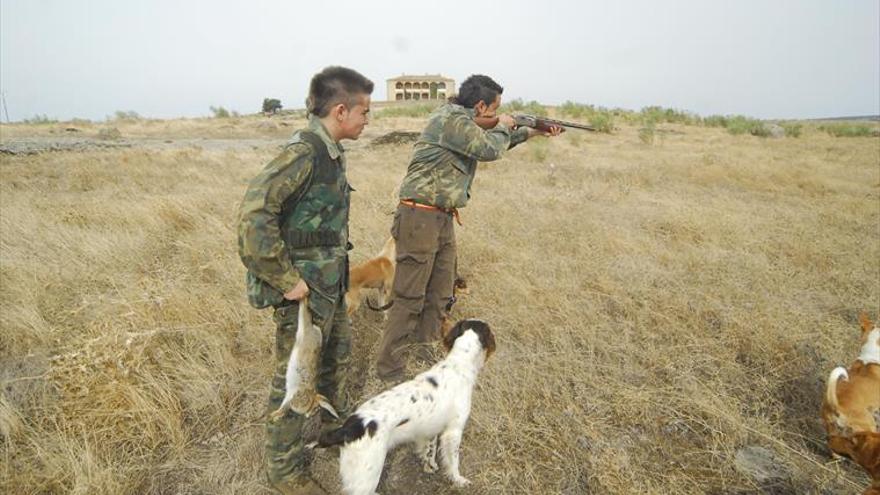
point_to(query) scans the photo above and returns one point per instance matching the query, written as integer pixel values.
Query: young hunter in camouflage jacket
(437, 183)
(293, 239)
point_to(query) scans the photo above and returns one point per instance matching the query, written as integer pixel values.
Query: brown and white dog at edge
(301, 395)
(434, 406)
(376, 273)
(851, 409)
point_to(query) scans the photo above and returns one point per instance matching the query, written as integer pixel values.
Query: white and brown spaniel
(435, 404)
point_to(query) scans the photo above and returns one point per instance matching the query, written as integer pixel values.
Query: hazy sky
(164, 58)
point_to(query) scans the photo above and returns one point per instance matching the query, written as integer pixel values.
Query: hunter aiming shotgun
(540, 123)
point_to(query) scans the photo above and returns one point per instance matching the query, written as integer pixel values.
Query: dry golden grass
(656, 308)
(251, 126)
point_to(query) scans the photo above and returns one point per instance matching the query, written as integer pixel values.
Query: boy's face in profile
(354, 119)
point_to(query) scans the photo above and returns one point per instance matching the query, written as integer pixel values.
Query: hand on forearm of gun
(553, 130)
(538, 126)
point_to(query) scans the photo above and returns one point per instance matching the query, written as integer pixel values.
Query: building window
(407, 85)
(398, 96)
(399, 85)
(441, 85)
(425, 96)
(425, 85)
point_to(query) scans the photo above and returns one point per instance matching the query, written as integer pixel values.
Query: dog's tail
(354, 428)
(389, 250)
(831, 388)
(380, 308)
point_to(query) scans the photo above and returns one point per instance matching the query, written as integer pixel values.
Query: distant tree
(271, 105)
(220, 112)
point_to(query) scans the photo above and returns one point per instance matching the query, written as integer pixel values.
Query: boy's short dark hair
(335, 85)
(475, 89)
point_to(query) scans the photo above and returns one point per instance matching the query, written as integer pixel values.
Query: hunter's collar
(334, 149)
(470, 112)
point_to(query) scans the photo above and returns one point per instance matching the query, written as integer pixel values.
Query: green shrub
(535, 108)
(670, 115)
(530, 108)
(126, 115)
(220, 113)
(646, 132)
(407, 110)
(849, 130)
(603, 122)
(792, 129)
(514, 105)
(538, 150)
(40, 120)
(628, 116)
(740, 124)
(715, 121)
(576, 110)
(759, 130)
(600, 118)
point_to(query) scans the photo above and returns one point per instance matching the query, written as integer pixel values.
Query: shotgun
(540, 123)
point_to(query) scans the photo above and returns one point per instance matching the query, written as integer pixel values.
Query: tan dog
(376, 273)
(851, 409)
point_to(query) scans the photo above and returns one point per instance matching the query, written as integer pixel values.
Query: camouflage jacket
(293, 221)
(445, 157)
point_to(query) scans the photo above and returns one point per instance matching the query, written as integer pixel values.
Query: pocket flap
(413, 258)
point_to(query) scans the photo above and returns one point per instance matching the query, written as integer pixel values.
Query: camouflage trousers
(287, 459)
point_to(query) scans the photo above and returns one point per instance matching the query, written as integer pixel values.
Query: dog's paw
(460, 481)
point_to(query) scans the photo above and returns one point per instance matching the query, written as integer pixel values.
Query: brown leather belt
(449, 211)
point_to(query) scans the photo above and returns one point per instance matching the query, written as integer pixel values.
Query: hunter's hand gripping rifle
(540, 123)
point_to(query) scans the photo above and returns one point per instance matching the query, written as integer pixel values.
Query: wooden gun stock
(486, 122)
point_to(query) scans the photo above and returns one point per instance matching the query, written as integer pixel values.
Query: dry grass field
(661, 310)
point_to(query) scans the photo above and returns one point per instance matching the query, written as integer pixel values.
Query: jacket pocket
(461, 167)
(260, 293)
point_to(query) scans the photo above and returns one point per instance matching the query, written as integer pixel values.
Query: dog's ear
(487, 338)
(445, 328)
(452, 333)
(867, 326)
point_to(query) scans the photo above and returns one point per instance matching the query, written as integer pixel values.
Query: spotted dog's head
(479, 327)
